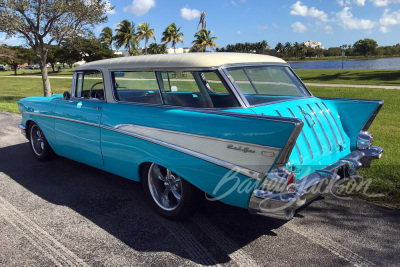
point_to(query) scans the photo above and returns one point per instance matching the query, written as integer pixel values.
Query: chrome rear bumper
(283, 205)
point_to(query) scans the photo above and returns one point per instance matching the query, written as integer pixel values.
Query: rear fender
(355, 114)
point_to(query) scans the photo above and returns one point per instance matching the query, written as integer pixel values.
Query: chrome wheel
(165, 187)
(37, 140)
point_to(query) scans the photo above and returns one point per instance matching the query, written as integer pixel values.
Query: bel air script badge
(239, 148)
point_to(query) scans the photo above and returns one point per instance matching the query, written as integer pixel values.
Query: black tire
(40, 148)
(178, 210)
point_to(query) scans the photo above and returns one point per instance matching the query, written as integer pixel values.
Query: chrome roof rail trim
(296, 145)
(305, 137)
(320, 124)
(330, 125)
(333, 118)
(312, 128)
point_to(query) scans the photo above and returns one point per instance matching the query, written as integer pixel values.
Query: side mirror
(66, 95)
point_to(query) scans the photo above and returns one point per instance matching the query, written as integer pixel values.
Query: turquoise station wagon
(239, 128)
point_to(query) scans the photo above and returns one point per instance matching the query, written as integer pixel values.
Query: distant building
(314, 45)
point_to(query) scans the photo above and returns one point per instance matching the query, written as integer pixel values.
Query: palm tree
(296, 49)
(172, 34)
(144, 32)
(204, 39)
(155, 48)
(288, 48)
(280, 49)
(126, 36)
(106, 36)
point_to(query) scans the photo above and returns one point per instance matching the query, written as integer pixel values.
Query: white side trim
(249, 156)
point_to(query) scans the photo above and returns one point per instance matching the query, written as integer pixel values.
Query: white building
(314, 45)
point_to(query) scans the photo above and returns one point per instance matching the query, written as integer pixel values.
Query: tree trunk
(45, 79)
(145, 47)
(15, 69)
(52, 65)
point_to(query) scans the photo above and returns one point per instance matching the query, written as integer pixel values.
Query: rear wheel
(169, 194)
(38, 143)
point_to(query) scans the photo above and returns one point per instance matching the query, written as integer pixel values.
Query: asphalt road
(63, 213)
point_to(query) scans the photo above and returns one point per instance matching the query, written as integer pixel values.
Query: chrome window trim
(75, 80)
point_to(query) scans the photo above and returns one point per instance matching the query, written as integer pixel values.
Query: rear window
(264, 83)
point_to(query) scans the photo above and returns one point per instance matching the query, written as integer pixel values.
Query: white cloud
(389, 19)
(328, 29)
(299, 27)
(262, 27)
(107, 6)
(346, 19)
(239, 32)
(140, 7)
(348, 2)
(302, 10)
(384, 2)
(275, 26)
(359, 2)
(189, 14)
(343, 2)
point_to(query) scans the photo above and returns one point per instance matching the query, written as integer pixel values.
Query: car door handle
(97, 107)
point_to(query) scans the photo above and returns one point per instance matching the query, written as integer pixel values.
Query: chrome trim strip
(313, 130)
(340, 131)
(65, 119)
(245, 115)
(320, 124)
(296, 145)
(330, 125)
(305, 137)
(249, 173)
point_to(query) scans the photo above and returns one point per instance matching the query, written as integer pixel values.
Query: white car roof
(185, 60)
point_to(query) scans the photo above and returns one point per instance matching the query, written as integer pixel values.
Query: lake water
(381, 63)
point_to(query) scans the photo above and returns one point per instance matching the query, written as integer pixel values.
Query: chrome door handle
(96, 107)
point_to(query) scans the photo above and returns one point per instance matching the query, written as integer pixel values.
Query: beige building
(313, 44)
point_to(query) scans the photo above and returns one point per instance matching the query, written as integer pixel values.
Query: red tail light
(291, 183)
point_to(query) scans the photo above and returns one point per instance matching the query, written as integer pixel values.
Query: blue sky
(333, 23)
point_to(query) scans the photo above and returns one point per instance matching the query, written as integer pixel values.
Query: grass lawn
(36, 72)
(385, 172)
(13, 89)
(367, 77)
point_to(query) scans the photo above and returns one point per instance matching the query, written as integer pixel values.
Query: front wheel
(169, 194)
(38, 143)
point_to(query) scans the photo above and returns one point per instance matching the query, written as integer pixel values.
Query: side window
(179, 82)
(138, 87)
(89, 85)
(200, 89)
